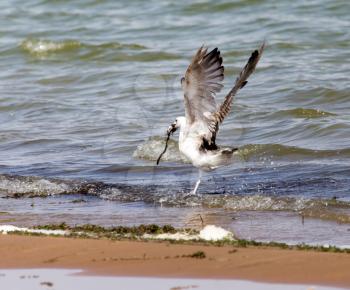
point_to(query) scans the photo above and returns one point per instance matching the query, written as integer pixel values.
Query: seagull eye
(182, 80)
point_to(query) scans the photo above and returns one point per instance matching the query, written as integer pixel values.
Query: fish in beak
(172, 128)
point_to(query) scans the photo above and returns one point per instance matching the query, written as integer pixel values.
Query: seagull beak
(172, 128)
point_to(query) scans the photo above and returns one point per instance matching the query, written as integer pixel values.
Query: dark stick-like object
(166, 147)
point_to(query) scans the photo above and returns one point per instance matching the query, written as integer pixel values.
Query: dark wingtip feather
(243, 84)
(241, 81)
(211, 54)
(254, 55)
(220, 60)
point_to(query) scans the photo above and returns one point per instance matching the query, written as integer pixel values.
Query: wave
(304, 113)
(292, 153)
(13, 186)
(42, 47)
(152, 147)
(321, 96)
(112, 51)
(18, 186)
(208, 7)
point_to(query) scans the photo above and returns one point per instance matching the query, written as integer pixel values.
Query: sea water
(88, 89)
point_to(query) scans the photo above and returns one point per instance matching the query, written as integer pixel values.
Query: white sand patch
(4, 229)
(208, 233)
(214, 233)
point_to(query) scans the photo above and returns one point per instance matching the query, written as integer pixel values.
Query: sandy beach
(163, 259)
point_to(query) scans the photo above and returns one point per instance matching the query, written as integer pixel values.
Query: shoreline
(164, 259)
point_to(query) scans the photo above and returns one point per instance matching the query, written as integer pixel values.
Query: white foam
(28, 185)
(5, 229)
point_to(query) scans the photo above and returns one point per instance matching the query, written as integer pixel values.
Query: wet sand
(163, 259)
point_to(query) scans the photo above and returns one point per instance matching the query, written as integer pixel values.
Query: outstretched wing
(203, 79)
(241, 81)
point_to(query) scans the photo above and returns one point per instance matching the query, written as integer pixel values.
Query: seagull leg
(194, 191)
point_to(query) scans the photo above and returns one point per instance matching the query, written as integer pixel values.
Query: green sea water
(88, 88)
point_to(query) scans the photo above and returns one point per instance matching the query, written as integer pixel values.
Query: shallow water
(68, 279)
(88, 89)
(280, 226)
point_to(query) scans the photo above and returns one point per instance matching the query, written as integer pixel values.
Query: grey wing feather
(241, 81)
(203, 79)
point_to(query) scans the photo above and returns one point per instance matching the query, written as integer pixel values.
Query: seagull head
(179, 121)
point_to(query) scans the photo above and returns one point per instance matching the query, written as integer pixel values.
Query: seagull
(200, 125)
